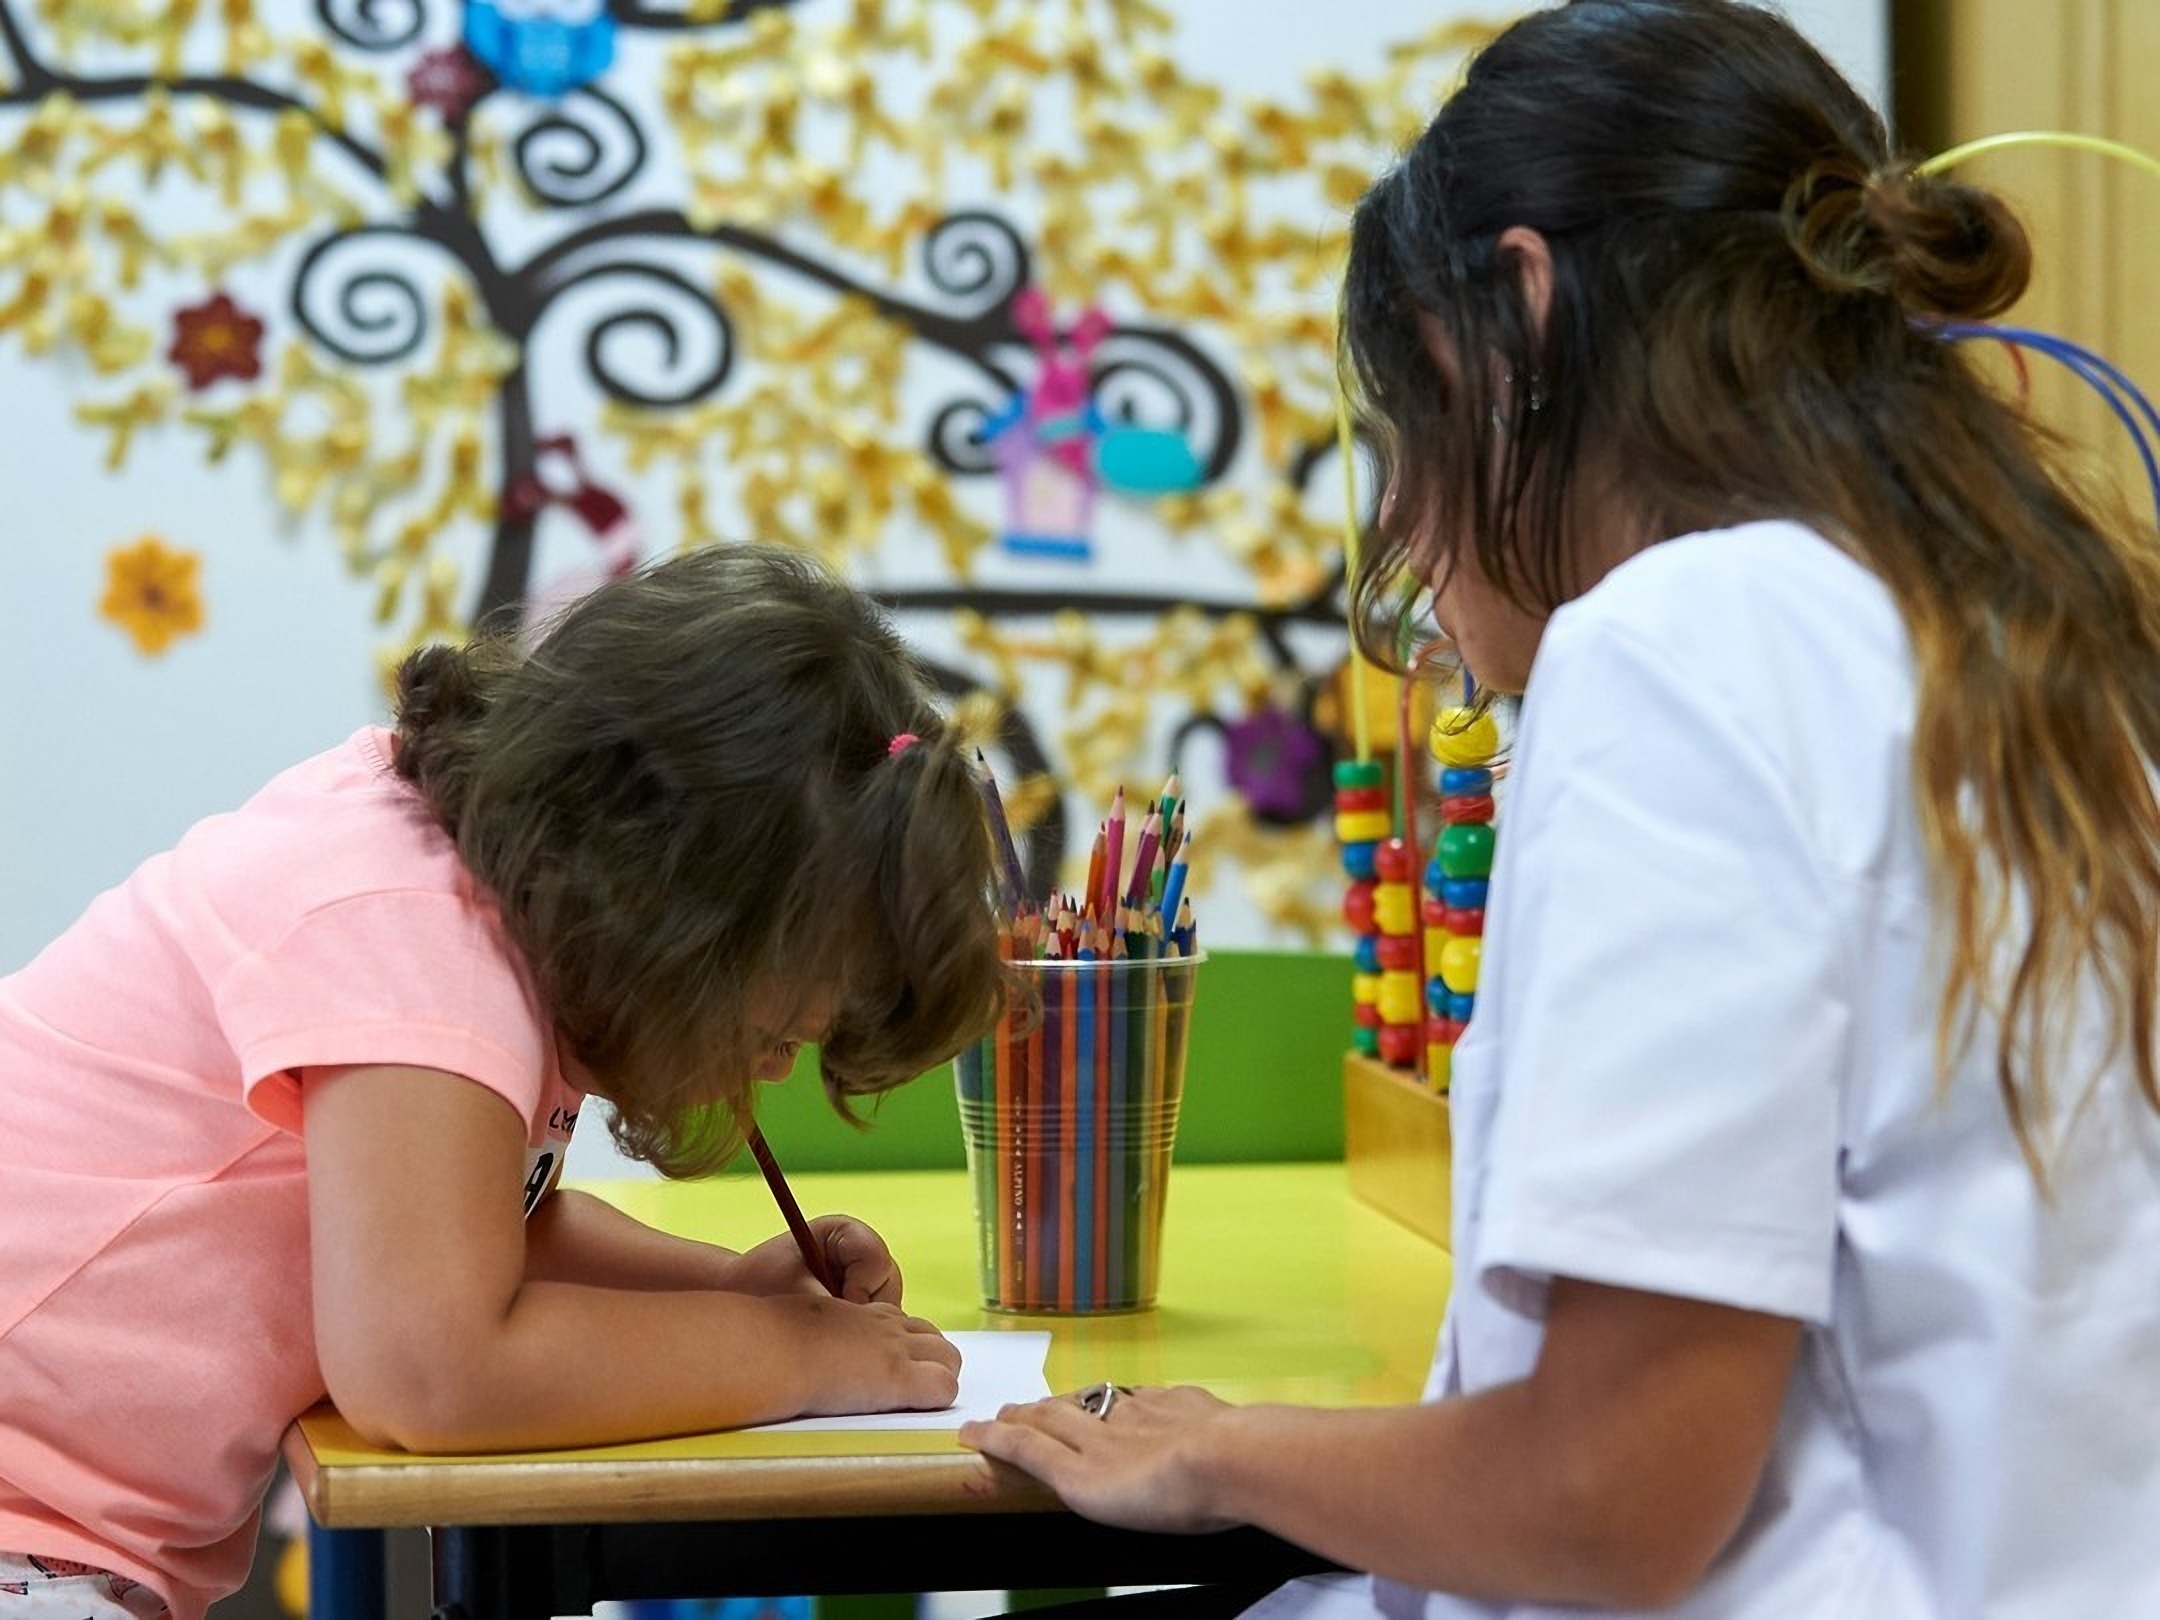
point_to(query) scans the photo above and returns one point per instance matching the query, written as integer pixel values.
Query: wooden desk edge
(399, 1495)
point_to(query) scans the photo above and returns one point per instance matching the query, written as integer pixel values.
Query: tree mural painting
(865, 278)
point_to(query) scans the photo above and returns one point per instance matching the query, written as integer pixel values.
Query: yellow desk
(1276, 1285)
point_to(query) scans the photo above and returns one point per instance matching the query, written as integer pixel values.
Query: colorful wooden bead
(1398, 1044)
(1459, 960)
(1361, 826)
(1357, 907)
(1463, 737)
(1466, 851)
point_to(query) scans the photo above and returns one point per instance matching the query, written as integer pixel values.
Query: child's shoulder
(339, 825)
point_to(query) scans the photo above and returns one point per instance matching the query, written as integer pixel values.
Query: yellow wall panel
(1971, 68)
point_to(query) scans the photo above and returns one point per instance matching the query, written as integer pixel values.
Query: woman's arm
(437, 1330)
(575, 1237)
(1612, 1475)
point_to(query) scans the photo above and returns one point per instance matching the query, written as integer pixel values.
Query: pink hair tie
(901, 743)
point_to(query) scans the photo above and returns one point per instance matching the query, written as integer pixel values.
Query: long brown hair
(687, 791)
(1744, 277)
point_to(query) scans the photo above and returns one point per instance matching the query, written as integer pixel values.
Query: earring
(1534, 400)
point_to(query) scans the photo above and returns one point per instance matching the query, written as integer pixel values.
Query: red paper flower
(214, 339)
(450, 80)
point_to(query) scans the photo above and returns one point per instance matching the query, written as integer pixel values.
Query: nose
(778, 1062)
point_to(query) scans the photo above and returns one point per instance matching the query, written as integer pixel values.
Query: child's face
(783, 1018)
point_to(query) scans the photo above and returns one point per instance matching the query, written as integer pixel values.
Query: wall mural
(507, 295)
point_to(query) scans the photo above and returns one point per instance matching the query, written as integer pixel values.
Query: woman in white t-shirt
(1808, 1167)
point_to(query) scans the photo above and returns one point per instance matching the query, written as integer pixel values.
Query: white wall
(108, 755)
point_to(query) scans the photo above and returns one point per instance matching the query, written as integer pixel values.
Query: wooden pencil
(813, 1253)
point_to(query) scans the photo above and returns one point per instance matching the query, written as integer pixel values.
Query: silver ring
(1098, 1400)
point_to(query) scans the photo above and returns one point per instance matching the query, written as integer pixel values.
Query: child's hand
(874, 1358)
(854, 1253)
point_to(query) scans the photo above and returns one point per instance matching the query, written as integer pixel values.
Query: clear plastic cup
(1069, 1112)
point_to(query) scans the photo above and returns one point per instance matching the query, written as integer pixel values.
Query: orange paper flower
(216, 338)
(150, 592)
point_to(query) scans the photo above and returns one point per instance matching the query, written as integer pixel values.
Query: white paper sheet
(994, 1368)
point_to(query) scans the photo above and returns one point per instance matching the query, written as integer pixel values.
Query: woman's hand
(1132, 1466)
(854, 1254)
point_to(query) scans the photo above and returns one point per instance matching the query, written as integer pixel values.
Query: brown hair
(686, 791)
(1744, 280)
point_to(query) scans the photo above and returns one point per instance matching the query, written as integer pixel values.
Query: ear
(1530, 255)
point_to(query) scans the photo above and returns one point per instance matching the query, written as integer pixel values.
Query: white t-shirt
(1703, 1063)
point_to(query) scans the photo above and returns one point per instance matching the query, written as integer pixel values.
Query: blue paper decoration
(543, 47)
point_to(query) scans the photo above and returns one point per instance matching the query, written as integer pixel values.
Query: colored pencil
(1143, 870)
(997, 1208)
(1162, 1124)
(1014, 884)
(1084, 1136)
(1068, 1154)
(1029, 1152)
(1011, 1161)
(1103, 896)
(1174, 885)
(1117, 1133)
(1102, 851)
(813, 1253)
(1172, 791)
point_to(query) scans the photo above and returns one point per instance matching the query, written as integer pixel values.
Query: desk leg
(505, 1572)
(345, 1574)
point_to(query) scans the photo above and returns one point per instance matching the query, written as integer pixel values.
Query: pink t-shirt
(156, 1329)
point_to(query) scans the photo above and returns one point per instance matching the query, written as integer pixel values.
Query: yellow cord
(2041, 137)
(1360, 726)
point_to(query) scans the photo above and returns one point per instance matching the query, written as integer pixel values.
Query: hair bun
(1955, 250)
(1937, 246)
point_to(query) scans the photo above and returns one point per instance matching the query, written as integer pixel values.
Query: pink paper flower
(450, 81)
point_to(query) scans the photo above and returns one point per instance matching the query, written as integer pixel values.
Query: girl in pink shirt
(284, 1111)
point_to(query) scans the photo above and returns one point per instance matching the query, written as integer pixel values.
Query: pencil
(1106, 896)
(1174, 884)
(1068, 1148)
(998, 1205)
(1144, 859)
(1085, 1092)
(805, 1240)
(1098, 1226)
(1013, 888)
(1103, 850)
(1027, 1165)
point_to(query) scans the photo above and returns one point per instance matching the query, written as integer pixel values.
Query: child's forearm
(575, 1237)
(570, 1364)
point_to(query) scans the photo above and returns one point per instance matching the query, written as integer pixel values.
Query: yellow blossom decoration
(151, 593)
(1172, 203)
